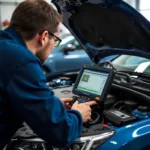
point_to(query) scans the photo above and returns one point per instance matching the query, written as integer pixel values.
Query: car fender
(133, 136)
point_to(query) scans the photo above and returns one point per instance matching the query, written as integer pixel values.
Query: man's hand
(66, 101)
(84, 109)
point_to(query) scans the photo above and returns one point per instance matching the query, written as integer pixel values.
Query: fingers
(65, 100)
(67, 106)
(86, 104)
(91, 103)
(87, 117)
(76, 102)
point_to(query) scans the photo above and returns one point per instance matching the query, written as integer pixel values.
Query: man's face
(46, 49)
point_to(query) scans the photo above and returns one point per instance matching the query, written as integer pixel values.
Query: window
(141, 5)
(144, 8)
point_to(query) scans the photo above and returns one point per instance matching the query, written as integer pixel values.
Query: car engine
(125, 104)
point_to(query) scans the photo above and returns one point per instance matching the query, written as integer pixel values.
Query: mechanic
(29, 39)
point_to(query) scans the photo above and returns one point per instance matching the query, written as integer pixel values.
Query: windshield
(132, 63)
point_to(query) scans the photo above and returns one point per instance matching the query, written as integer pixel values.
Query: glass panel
(146, 13)
(144, 4)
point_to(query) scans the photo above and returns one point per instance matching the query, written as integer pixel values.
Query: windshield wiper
(129, 75)
(136, 74)
(126, 76)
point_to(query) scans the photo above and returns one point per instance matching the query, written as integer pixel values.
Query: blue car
(105, 28)
(69, 55)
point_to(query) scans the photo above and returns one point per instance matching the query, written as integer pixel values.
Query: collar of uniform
(18, 38)
(15, 35)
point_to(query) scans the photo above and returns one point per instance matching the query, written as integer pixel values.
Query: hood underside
(106, 27)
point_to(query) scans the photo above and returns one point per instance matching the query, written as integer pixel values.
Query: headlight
(97, 143)
(89, 142)
(92, 142)
(27, 144)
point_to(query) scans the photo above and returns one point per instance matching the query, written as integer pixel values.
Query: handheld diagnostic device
(93, 83)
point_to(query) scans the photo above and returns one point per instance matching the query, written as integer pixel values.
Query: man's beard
(41, 53)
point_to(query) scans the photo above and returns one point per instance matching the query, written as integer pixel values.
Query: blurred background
(6, 9)
(8, 6)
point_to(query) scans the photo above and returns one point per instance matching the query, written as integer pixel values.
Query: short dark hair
(32, 16)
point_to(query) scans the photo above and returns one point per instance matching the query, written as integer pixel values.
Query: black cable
(133, 92)
(119, 102)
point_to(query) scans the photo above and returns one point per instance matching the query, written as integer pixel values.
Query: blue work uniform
(24, 96)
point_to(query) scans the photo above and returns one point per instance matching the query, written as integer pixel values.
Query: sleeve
(36, 104)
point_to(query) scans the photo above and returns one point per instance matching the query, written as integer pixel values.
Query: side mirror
(68, 48)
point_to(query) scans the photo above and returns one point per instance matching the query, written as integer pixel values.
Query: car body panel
(109, 28)
(133, 136)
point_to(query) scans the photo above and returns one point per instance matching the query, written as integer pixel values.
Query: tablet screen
(92, 81)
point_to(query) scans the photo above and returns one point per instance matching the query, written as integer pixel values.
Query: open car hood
(106, 27)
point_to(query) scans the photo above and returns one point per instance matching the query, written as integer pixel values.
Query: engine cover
(118, 117)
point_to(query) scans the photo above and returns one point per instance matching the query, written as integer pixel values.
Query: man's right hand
(84, 109)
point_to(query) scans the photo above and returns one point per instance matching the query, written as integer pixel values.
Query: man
(31, 36)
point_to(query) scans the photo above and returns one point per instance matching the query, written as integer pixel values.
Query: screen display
(92, 81)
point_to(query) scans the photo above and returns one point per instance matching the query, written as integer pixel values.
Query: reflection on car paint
(141, 131)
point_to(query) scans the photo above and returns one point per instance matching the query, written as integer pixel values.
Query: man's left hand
(66, 101)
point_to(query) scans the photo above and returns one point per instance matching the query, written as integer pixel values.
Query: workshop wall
(6, 9)
(8, 6)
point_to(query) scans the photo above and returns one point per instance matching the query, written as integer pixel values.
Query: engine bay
(123, 105)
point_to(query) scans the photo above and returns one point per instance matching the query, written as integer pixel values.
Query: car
(121, 121)
(69, 55)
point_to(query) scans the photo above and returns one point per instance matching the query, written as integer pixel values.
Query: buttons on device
(83, 99)
(97, 98)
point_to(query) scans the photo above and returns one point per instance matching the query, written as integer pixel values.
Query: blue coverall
(24, 96)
